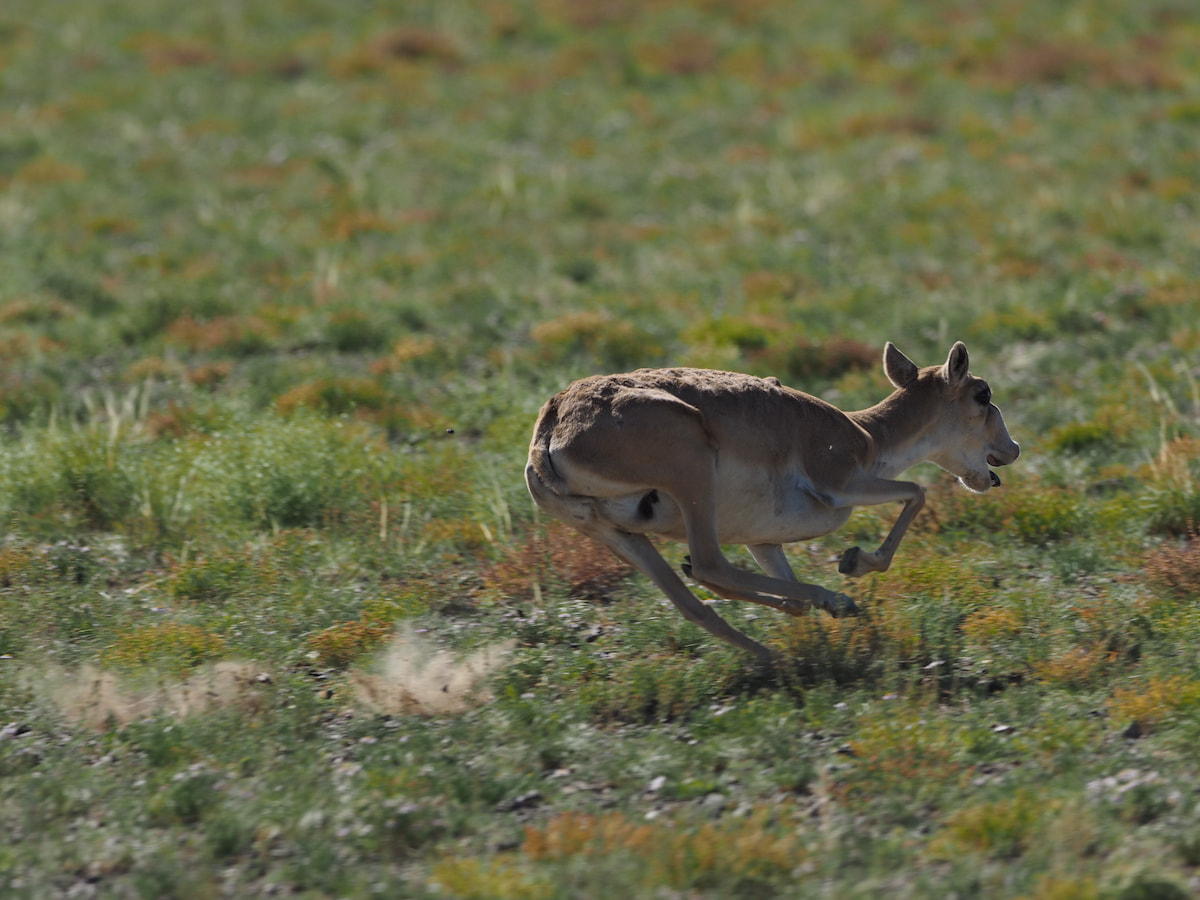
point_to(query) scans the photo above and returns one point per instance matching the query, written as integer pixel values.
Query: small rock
(521, 801)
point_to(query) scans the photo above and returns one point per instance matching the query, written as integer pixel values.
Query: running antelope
(716, 458)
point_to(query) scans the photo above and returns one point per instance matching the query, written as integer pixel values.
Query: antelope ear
(957, 363)
(900, 370)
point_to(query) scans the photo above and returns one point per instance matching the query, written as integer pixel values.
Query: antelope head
(969, 438)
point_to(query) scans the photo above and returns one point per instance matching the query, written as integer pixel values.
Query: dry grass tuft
(1174, 568)
(1051, 62)
(333, 396)
(597, 333)
(338, 645)
(588, 14)
(1153, 701)
(556, 553)
(1075, 667)
(844, 650)
(1002, 829)
(209, 375)
(898, 752)
(684, 53)
(162, 52)
(744, 848)
(807, 360)
(407, 45)
(232, 334)
(413, 43)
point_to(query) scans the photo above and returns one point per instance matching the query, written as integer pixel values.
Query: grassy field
(282, 287)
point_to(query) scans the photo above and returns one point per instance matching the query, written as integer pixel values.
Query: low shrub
(805, 361)
(657, 686)
(334, 396)
(218, 577)
(299, 472)
(819, 649)
(897, 752)
(1002, 829)
(731, 857)
(598, 335)
(1154, 701)
(238, 335)
(1026, 508)
(1174, 568)
(339, 645)
(172, 647)
(1075, 437)
(352, 331)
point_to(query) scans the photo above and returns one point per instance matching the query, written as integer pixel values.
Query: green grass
(284, 285)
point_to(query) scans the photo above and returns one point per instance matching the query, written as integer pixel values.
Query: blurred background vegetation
(282, 287)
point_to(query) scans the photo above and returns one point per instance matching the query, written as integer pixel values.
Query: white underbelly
(797, 516)
(751, 509)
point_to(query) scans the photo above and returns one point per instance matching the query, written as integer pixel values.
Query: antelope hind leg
(791, 596)
(708, 565)
(639, 552)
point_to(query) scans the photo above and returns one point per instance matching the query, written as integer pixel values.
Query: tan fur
(715, 458)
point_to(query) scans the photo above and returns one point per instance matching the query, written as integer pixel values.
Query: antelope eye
(984, 396)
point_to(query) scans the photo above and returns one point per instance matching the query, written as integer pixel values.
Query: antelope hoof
(687, 566)
(849, 563)
(839, 606)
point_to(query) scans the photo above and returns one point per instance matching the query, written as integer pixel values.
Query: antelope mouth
(993, 461)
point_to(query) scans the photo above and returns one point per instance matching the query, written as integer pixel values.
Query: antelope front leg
(856, 561)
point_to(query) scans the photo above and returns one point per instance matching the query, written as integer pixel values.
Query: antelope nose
(1005, 459)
